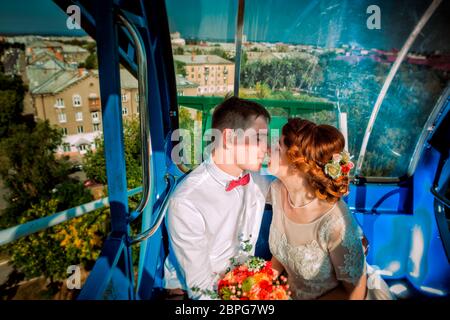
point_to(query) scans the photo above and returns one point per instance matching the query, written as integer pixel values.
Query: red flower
(268, 268)
(345, 169)
(266, 286)
(240, 276)
(264, 295)
(223, 283)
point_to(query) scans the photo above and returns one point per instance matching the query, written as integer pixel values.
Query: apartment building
(70, 100)
(213, 74)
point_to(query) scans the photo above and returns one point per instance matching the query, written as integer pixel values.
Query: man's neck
(230, 168)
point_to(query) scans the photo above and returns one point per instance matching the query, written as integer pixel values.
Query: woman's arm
(347, 257)
(276, 265)
(347, 291)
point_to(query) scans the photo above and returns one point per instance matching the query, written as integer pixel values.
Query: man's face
(250, 145)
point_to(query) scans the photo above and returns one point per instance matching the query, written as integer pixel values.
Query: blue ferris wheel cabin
(383, 85)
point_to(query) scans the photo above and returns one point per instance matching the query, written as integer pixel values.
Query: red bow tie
(239, 182)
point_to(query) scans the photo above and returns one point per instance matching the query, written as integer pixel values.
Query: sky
(326, 23)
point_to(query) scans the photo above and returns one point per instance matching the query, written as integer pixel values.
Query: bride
(313, 236)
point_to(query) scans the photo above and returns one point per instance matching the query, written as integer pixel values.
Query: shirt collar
(218, 174)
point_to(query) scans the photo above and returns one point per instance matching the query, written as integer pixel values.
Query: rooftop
(68, 48)
(182, 82)
(127, 80)
(59, 81)
(45, 44)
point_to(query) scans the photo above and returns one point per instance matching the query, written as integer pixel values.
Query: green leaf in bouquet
(255, 263)
(248, 283)
(226, 293)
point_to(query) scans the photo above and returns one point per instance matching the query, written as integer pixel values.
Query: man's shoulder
(193, 185)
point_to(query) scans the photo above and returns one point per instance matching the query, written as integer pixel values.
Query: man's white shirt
(206, 225)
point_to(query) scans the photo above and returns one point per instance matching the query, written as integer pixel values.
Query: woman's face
(279, 163)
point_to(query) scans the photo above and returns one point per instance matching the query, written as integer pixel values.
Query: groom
(217, 210)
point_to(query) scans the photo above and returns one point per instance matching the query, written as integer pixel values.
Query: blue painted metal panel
(381, 198)
(428, 265)
(389, 237)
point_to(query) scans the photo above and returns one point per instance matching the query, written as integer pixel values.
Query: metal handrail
(440, 197)
(427, 129)
(146, 142)
(22, 230)
(160, 212)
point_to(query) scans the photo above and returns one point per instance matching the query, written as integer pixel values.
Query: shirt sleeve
(345, 248)
(188, 243)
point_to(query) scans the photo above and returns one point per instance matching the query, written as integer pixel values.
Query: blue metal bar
(108, 58)
(238, 39)
(156, 30)
(440, 197)
(427, 130)
(22, 230)
(99, 278)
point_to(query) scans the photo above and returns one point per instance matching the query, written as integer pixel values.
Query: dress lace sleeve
(270, 193)
(345, 248)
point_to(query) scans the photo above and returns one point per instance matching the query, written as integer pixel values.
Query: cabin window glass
(312, 55)
(325, 52)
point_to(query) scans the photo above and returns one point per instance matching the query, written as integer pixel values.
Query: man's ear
(227, 138)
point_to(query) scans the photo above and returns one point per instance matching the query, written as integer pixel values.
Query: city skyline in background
(320, 23)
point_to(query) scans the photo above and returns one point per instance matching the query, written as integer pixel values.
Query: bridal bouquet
(253, 280)
(249, 278)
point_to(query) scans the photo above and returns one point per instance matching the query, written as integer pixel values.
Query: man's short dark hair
(237, 113)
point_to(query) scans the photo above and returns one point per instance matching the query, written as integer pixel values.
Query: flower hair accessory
(340, 165)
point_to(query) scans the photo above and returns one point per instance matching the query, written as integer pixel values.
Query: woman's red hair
(310, 147)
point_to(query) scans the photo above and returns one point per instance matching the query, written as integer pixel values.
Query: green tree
(262, 91)
(29, 168)
(90, 46)
(284, 74)
(198, 51)
(187, 122)
(244, 59)
(50, 252)
(94, 163)
(38, 185)
(178, 51)
(220, 52)
(12, 92)
(91, 62)
(180, 68)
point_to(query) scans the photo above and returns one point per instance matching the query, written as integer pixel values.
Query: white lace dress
(317, 255)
